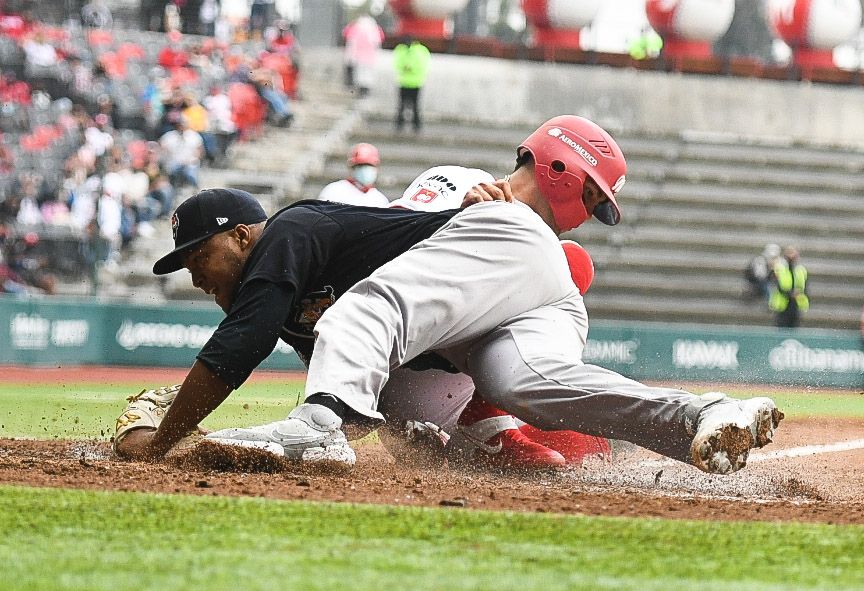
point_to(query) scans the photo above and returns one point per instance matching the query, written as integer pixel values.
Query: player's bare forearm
(201, 393)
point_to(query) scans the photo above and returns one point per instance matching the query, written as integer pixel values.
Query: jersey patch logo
(221, 221)
(424, 195)
(313, 305)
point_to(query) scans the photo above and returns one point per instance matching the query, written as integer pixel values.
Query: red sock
(478, 409)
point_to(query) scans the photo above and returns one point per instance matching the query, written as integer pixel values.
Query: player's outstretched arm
(201, 393)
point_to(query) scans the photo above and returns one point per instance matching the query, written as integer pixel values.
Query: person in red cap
(360, 292)
(359, 187)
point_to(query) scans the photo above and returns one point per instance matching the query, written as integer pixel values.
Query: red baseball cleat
(489, 436)
(573, 446)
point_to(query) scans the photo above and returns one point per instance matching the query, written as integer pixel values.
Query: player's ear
(243, 234)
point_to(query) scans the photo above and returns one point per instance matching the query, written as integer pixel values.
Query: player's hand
(136, 445)
(498, 190)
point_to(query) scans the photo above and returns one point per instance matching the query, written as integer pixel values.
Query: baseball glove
(145, 410)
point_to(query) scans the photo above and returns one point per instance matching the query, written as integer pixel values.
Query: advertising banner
(47, 331)
(54, 331)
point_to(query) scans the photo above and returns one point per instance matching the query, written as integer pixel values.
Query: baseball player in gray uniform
(435, 405)
(489, 291)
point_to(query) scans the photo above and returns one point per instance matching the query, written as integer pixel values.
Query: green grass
(799, 404)
(62, 539)
(89, 410)
(68, 539)
(84, 411)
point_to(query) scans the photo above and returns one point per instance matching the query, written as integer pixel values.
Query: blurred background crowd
(114, 111)
(102, 130)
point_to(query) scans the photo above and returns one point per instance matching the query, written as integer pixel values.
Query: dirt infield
(822, 487)
(812, 472)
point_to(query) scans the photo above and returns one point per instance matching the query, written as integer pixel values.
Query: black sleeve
(249, 333)
(294, 247)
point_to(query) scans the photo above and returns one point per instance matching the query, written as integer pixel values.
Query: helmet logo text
(558, 133)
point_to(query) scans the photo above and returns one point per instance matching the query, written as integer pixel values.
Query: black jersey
(308, 255)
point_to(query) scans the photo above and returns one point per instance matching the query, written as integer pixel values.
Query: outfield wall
(50, 332)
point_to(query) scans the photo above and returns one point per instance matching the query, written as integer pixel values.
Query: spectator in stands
(268, 84)
(207, 62)
(285, 42)
(260, 17)
(152, 99)
(7, 159)
(128, 222)
(106, 106)
(26, 195)
(208, 13)
(81, 78)
(172, 108)
(93, 251)
(759, 272)
(161, 193)
(363, 38)
(9, 281)
(173, 56)
(285, 45)
(109, 217)
(182, 149)
(28, 265)
(359, 187)
(150, 14)
(222, 126)
(98, 137)
(38, 52)
(13, 90)
(97, 15)
(198, 119)
(281, 66)
(411, 61)
(55, 212)
(789, 297)
(171, 19)
(82, 202)
(136, 186)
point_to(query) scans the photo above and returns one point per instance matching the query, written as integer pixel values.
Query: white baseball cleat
(312, 434)
(729, 429)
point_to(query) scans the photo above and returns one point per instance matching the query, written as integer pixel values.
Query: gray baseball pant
(491, 292)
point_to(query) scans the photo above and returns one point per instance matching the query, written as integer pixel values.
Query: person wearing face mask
(359, 187)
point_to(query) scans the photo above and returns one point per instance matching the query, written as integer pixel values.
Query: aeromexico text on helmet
(557, 132)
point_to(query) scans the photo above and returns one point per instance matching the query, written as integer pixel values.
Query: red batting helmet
(364, 154)
(566, 149)
(580, 263)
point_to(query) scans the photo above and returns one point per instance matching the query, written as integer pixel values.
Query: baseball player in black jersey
(468, 288)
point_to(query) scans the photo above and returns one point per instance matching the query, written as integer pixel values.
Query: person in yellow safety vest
(647, 45)
(411, 62)
(789, 293)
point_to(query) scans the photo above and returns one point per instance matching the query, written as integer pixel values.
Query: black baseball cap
(206, 213)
